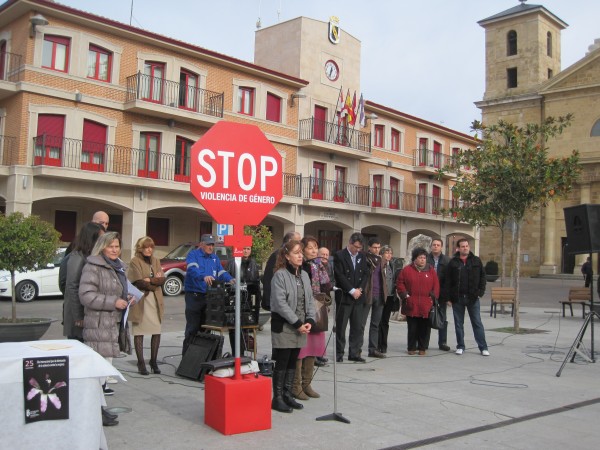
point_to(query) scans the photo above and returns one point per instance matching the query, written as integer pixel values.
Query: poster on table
(45, 388)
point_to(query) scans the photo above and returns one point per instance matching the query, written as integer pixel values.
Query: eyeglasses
(357, 246)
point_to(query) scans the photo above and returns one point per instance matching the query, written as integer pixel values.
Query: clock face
(332, 72)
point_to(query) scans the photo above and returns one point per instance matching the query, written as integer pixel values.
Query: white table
(83, 429)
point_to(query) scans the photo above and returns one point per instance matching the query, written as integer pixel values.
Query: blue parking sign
(222, 230)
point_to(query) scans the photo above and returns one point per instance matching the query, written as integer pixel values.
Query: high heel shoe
(142, 368)
(154, 367)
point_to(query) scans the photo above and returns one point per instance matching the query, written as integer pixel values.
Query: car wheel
(173, 286)
(26, 291)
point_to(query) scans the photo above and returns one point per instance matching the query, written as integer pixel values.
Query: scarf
(117, 266)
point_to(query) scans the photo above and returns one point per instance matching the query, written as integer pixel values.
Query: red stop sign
(236, 174)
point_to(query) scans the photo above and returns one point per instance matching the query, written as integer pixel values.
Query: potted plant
(25, 243)
(491, 271)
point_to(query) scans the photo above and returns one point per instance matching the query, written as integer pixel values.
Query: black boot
(278, 404)
(154, 344)
(107, 414)
(288, 384)
(108, 420)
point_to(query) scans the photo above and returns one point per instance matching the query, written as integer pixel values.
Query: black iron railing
(332, 133)
(112, 159)
(355, 194)
(431, 158)
(8, 148)
(10, 66)
(175, 95)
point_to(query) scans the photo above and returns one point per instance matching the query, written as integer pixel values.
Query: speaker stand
(334, 415)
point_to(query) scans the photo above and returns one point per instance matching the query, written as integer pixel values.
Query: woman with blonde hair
(146, 315)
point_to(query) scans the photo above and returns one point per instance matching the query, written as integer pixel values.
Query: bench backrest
(503, 293)
(579, 294)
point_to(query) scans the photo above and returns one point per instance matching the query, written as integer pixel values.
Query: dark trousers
(418, 333)
(195, 317)
(443, 332)
(285, 358)
(355, 313)
(376, 313)
(384, 325)
(242, 341)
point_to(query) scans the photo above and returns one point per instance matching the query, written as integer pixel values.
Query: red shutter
(319, 123)
(65, 222)
(49, 142)
(273, 108)
(94, 146)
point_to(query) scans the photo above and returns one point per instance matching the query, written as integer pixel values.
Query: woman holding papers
(103, 293)
(146, 274)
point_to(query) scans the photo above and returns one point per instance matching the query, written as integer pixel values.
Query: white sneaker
(485, 353)
(459, 351)
(111, 380)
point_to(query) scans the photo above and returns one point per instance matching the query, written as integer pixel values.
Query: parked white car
(34, 284)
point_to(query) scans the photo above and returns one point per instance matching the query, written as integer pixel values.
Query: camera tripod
(578, 348)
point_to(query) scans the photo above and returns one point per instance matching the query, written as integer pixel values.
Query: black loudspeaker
(205, 347)
(583, 228)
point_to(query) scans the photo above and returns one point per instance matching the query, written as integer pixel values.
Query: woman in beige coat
(146, 315)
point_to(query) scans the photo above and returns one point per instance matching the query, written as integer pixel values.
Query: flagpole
(338, 113)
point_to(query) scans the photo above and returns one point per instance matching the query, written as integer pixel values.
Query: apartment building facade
(99, 115)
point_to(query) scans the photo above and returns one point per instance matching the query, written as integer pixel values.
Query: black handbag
(124, 338)
(436, 319)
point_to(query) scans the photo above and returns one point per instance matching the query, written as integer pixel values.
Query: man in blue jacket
(203, 267)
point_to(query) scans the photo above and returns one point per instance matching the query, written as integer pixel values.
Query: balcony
(170, 100)
(52, 151)
(428, 162)
(10, 73)
(354, 194)
(333, 138)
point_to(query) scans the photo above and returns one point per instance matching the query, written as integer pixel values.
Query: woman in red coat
(417, 285)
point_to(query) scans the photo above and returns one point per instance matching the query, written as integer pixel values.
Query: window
(436, 199)
(379, 130)
(273, 108)
(596, 129)
(340, 184)
(318, 179)
(65, 222)
(395, 140)
(55, 53)
(422, 154)
(455, 202)
(99, 63)
(188, 90)
(148, 155)
(549, 44)
(152, 82)
(246, 101)
(377, 188)
(3, 61)
(93, 146)
(550, 73)
(421, 197)
(511, 43)
(183, 150)
(49, 140)
(158, 229)
(394, 193)
(511, 77)
(455, 153)
(320, 120)
(437, 154)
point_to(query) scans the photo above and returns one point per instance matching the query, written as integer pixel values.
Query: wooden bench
(580, 296)
(503, 296)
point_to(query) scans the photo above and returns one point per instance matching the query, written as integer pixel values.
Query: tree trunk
(502, 257)
(517, 272)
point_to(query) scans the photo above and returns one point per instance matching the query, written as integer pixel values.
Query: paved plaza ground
(511, 400)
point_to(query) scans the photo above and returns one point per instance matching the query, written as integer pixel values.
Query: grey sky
(424, 58)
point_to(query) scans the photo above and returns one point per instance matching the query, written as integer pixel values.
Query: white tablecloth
(83, 429)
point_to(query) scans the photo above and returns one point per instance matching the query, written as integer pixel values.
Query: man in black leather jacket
(464, 286)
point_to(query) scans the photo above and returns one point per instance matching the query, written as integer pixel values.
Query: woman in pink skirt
(315, 346)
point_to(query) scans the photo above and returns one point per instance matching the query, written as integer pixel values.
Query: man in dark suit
(351, 277)
(440, 262)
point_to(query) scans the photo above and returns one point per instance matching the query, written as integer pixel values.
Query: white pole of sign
(238, 325)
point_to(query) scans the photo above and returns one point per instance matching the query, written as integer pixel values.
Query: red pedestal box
(237, 406)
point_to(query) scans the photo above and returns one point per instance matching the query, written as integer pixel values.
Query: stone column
(19, 190)
(550, 264)
(134, 224)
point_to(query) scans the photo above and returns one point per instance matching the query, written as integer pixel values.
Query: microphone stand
(335, 415)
